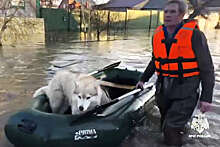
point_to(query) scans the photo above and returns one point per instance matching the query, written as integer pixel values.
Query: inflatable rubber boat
(105, 125)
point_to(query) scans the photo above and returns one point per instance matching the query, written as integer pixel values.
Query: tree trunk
(4, 27)
(6, 20)
(89, 25)
(0, 41)
(108, 25)
(126, 17)
(218, 24)
(98, 27)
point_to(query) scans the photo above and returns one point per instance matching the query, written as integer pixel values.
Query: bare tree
(103, 20)
(8, 14)
(99, 21)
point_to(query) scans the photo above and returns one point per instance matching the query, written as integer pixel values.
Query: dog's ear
(99, 92)
(99, 95)
(76, 86)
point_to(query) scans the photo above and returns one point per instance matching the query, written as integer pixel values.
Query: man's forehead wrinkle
(170, 8)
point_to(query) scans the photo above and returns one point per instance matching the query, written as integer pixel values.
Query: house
(26, 8)
(25, 25)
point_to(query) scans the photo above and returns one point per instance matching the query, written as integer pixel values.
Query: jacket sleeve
(206, 67)
(149, 71)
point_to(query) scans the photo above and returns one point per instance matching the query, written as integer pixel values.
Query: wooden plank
(110, 84)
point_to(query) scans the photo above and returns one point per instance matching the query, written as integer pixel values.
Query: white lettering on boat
(85, 134)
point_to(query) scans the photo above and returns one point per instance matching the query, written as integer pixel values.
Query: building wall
(26, 10)
(24, 27)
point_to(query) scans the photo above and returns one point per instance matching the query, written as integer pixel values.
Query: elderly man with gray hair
(182, 61)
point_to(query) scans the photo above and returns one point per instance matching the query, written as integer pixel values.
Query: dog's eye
(79, 96)
(88, 97)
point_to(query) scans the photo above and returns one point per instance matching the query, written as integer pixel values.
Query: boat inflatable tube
(106, 125)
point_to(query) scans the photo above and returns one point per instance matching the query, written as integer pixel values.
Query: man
(182, 61)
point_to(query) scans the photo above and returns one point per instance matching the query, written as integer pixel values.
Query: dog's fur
(80, 91)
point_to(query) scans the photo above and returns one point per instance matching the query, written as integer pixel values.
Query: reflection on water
(24, 68)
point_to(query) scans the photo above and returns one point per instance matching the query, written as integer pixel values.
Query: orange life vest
(181, 61)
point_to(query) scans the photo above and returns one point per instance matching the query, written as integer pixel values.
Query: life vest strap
(171, 40)
(177, 60)
(180, 69)
(177, 72)
(186, 28)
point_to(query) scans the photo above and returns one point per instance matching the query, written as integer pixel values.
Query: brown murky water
(26, 67)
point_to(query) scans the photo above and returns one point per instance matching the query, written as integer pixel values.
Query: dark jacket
(207, 78)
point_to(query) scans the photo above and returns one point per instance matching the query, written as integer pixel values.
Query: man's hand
(140, 85)
(204, 106)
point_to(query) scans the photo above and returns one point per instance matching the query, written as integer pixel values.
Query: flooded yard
(26, 67)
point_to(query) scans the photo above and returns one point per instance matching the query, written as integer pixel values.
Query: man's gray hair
(183, 7)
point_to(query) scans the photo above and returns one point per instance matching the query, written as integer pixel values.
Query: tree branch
(8, 18)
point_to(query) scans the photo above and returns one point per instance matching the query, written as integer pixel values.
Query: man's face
(172, 16)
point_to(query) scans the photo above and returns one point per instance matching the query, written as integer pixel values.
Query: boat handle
(27, 126)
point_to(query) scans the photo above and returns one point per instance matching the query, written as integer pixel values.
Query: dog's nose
(81, 108)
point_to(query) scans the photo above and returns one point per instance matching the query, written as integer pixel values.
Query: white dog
(80, 91)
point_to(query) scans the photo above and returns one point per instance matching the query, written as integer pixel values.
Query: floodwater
(26, 67)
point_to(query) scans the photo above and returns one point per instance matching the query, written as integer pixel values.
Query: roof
(159, 4)
(133, 4)
(155, 5)
(120, 5)
(214, 3)
(211, 5)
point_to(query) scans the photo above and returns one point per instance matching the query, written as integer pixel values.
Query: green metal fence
(58, 20)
